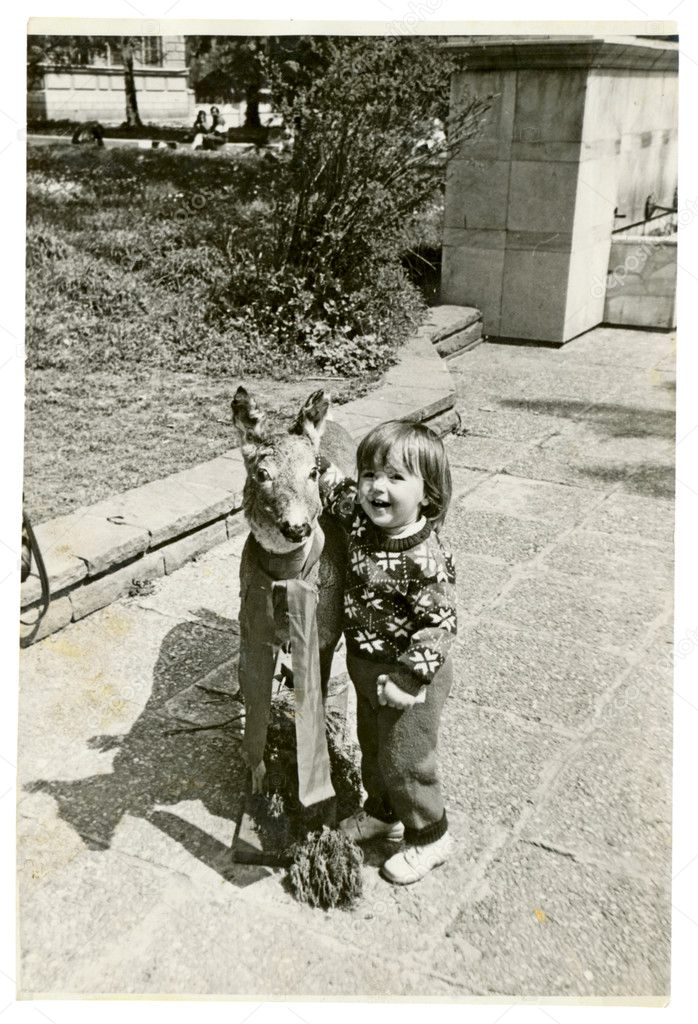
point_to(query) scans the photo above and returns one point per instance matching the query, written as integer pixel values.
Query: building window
(151, 50)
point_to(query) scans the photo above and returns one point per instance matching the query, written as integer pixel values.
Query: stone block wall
(577, 128)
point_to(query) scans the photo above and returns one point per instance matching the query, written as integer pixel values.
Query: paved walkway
(556, 744)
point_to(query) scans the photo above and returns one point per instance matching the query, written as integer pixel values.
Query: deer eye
(314, 474)
(263, 476)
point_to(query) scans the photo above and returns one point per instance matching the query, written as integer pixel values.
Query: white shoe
(414, 862)
(362, 826)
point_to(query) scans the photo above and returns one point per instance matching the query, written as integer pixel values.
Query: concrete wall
(530, 203)
(629, 151)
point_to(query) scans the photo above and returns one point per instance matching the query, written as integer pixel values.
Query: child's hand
(390, 694)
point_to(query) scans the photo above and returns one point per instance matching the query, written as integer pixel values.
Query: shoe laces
(413, 855)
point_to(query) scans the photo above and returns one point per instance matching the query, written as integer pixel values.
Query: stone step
(454, 344)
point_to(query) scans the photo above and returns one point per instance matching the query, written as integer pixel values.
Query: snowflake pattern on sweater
(400, 597)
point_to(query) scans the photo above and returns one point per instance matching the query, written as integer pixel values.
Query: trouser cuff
(428, 834)
(380, 808)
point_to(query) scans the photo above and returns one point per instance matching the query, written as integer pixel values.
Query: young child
(399, 624)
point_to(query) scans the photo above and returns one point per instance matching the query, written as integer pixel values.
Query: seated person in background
(218, 133)
(199, 128)
(90, 131)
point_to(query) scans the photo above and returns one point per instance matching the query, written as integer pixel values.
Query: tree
(225, 68)
(67, 51)
(239, 67)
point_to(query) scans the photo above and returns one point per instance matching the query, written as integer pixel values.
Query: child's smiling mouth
(377, 503)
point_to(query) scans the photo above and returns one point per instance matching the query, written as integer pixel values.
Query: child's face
(391, 496)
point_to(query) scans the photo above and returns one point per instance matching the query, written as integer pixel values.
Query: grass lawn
(99, 433)
(132, 355)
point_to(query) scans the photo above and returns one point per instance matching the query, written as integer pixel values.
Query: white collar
(408, 530)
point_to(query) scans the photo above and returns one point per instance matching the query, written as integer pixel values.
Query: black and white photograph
(344, 539)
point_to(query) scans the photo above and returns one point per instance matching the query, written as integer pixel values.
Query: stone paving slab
(175, 505)
(597, 611)
(597, 441)
(487, 419)
(491, 454)
(608, 346)
(465, 480)
(641, 465)
(447, 320)
(548, 925)
(562, 390)
(587, 553)
(451, 345)
(531, 499)
(649, 518)
(225, 473)
(206, 591)
(94, 540)
(390, 406)
(492, 765)
(57, 539)
(547, 679)
(536, 462)
(643, 706)
(499, 537)
(95, 594)
(480, 580)
(39, 624)
(611, 807)
(608, 805)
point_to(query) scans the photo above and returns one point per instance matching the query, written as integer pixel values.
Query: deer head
(281, 499)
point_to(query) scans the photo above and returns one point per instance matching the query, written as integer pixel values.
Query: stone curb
(97, 554)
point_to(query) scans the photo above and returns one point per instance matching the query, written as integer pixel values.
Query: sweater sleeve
(433, 600)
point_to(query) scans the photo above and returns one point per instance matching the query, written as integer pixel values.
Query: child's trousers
(398, 751)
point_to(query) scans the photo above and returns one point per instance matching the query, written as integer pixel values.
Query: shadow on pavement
(165, 758)
(651, 479)
(610, 419)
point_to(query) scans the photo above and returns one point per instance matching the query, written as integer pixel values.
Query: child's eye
(396, 476)
(263, 476)
(314, 474)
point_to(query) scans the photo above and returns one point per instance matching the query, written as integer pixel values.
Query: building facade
(94, 88)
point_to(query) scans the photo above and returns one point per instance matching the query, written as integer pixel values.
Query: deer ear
(248, 418)
(312, 417)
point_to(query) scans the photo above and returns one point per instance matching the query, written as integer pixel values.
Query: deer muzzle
(295, 532)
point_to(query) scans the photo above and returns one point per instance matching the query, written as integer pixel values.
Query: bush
(325, 279)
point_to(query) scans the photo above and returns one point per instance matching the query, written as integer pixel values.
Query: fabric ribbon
(279, 597)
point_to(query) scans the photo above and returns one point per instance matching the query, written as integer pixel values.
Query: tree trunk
(252, 107)
(133, 119)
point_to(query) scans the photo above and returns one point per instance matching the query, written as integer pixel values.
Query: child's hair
(420, 450)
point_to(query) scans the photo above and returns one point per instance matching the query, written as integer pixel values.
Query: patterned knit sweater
(400, 597)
